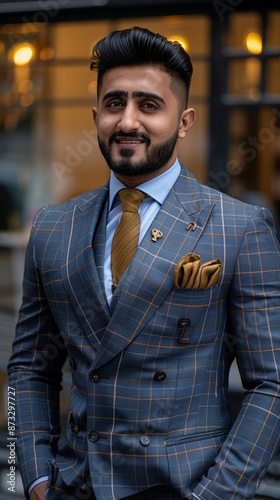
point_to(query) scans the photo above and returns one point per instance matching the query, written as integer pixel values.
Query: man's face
(139, 122)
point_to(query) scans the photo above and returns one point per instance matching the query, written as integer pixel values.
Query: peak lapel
(79, 270)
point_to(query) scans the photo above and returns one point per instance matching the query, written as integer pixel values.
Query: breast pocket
(199, 313)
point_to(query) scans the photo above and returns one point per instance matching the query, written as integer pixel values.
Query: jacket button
(160, 376)
(94, 377)
(75, 428)
(145, 440)
(93, 436)
(183, 322)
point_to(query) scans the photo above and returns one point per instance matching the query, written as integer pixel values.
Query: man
(150, 346)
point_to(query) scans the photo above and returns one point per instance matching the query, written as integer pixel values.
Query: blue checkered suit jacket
(149, 398)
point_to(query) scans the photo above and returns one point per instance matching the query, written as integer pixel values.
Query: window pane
(273, 75)
(244, 77)
(253, 165)
(273, 29)
(240, 25)
(200, 80)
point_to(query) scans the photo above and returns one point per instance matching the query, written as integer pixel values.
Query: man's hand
(38, 492)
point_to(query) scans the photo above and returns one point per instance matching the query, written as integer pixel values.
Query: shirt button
(160, 376)
(145, 440)
(93, 436)
(94, 377)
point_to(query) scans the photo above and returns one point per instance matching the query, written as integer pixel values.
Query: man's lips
(129, 141)
(132, 139)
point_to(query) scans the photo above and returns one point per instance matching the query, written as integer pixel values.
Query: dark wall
(12, 11)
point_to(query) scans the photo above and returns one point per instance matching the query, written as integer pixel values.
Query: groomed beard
(155, 158)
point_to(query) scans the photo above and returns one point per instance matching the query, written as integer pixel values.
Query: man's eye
(114, 104)
(149, 105)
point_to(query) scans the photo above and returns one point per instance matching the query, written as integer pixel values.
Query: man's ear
(186, 122)
(95, 115)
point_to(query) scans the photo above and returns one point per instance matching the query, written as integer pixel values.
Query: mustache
(133, 135)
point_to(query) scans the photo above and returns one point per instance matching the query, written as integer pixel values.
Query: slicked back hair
(139, 46)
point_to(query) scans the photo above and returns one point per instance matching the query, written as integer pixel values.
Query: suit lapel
(80, 269)
(149, 279)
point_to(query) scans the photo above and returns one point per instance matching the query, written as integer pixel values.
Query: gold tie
(126, 237)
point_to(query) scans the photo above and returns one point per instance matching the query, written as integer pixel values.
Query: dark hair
(136, 46)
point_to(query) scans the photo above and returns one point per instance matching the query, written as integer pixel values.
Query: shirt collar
(157, 188)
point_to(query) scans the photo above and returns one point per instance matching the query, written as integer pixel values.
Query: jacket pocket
(190, 457)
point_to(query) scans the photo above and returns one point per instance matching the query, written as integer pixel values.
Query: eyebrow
(135, 94)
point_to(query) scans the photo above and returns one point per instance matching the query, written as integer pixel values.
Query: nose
(129, 119)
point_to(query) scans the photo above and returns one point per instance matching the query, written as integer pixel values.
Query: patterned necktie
(126, 237)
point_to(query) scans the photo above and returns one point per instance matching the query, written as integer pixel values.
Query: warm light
(180, 39)
(23, 54)
(26, 99)
(46, 53)
(25, 86)
(254, 43)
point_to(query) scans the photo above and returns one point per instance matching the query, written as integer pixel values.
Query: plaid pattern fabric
(149, 406)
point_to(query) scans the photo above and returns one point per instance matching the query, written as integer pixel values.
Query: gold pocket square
(189, 273)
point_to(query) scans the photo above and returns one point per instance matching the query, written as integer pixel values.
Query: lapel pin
(156, 234)
(192, 226)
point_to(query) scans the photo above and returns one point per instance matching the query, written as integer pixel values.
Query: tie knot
(131, 199)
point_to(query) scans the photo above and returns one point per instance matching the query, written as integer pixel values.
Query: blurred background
(48, 146)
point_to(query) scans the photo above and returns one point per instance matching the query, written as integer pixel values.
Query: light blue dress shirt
(157, 189)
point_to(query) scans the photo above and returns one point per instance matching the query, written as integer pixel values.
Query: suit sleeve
(254, 310)
(35, 372)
